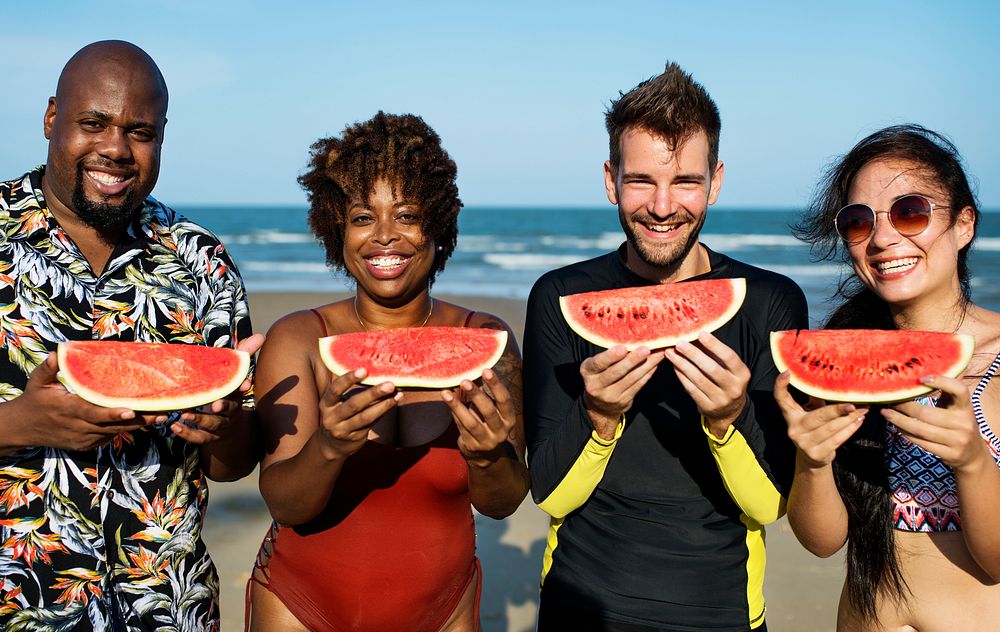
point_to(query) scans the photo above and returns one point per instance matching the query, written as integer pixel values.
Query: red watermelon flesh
(427, 357)
(150, 376)
(868, 365)
(654, 316)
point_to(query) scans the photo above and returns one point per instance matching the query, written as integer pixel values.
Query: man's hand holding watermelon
(611, 380)
(46, 414)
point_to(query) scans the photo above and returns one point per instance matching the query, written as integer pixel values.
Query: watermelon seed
(587, 314)
(621, 315)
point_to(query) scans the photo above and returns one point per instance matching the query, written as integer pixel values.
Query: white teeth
(106, 178)
(386, 262)
(660, 228)
(896, 265)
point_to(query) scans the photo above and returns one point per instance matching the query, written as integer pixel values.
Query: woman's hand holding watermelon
(346, 418)
(611, 380)
(817, 429)
(484, 422)
(947, 430)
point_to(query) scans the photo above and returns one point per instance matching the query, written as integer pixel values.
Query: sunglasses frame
(888, 214)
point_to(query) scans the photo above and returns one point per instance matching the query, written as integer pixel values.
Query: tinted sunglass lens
(910, 215)
(855, 222)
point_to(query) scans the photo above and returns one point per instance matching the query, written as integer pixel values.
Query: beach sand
(802, 591)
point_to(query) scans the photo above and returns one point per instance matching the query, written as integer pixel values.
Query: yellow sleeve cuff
(582, 478)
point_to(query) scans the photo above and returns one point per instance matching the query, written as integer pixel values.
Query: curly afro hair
(400, 148)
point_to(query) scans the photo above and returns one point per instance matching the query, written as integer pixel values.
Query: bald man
(101, 508)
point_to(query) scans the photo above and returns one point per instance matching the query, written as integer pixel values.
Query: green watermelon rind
(853, 393)
(401, 378)
(739, 289)
(193, 399)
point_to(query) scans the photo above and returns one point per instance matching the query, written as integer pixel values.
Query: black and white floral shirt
(108, 538)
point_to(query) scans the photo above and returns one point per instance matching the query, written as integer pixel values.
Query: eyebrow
(637, 175)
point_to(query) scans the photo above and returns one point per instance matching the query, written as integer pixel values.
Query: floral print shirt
(109, 538)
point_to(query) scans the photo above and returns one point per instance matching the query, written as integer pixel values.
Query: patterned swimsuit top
(924, 494)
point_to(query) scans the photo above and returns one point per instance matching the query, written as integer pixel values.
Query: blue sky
(517, 90)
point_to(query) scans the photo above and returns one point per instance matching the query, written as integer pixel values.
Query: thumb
(45, 373)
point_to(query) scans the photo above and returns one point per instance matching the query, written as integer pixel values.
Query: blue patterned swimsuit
(925, 496)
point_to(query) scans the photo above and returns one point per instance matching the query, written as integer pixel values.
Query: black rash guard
(662, 525)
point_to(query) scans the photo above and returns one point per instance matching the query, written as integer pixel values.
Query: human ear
(716, 182)
(965, 226)
(48, 120)
(611, 182)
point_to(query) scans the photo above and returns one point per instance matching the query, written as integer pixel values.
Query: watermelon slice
(868, 365)
(150, 376)
(428, 357)
(654, 316)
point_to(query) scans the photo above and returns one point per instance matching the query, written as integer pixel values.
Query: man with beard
(101, 508)
(659, 468)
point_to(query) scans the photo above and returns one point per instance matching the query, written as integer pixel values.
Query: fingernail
(128, 414)
(360, 373)
(488, 374)
(447, 396)
(927, 379)
(161, 418)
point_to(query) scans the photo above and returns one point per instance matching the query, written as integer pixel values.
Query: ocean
(502, 251)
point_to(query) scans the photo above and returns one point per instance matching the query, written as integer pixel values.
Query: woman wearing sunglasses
(912, 488)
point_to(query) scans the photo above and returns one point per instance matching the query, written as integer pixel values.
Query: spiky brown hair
(400, 148)
(671, 105)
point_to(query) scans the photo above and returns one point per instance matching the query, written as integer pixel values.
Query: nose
(384, 233)
(884, 234)
(660, 204)
(114, 144)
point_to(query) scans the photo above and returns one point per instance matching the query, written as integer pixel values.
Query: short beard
(100, 215)
(663, 259)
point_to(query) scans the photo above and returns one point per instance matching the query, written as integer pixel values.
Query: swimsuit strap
(468, 319)
(977, 407)
(322, 321)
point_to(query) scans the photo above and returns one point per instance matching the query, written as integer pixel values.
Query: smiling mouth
(106, 178)
(386, 263)
(896, 265)
(661, 228)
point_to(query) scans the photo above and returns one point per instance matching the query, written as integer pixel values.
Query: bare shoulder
(301, 325)
(486, 320)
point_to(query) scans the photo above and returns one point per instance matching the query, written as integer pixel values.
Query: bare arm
(491, 432)
(950, 431)
(308, 435)
(816, 511)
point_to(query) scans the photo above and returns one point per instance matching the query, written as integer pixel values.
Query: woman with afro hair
(372, 488)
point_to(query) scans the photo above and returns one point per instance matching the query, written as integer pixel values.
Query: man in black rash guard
(658, 468)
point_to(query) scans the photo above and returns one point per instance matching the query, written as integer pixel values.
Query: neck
(928, 316)
(374, 315)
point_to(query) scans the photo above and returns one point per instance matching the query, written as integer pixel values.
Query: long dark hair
(859, 469)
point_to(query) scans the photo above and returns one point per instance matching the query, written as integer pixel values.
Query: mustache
(646, 218)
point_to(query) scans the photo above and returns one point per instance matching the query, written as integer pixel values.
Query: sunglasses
(909, 215)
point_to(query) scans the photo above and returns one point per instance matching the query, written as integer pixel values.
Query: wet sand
(802, 590)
